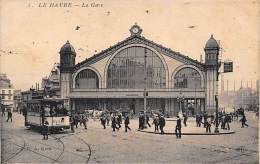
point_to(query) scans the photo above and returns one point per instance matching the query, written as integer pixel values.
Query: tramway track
(89, 148)
(63, 147)
(22, 148)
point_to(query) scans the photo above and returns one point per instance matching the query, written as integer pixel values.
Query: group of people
(158, 121)
(116, 121)
(9, 114)
(78, 119)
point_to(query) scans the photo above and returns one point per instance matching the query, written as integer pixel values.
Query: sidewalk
(191, 128)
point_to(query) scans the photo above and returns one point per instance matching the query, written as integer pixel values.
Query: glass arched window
(86, 79)
(127, 69)
(187, 78)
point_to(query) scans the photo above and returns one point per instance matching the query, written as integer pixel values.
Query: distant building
(6, 92)
(51, 84)
(246, 98)
(17, 100)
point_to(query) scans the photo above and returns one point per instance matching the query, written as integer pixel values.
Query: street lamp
(145, 87)
(180, 99)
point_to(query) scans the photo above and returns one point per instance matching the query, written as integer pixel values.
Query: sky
(31, 36)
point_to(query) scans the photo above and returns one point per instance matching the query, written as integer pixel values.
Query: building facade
(6, 92)
(137, 69)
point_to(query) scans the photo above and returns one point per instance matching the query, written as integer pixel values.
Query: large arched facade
(87, 78)
(187, 77)
(130, 66)
(135, 71)
(137, 51)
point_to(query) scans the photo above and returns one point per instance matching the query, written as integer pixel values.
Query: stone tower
(67, 62)
(212, 65)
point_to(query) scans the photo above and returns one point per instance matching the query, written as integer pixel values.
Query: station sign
(228, 66)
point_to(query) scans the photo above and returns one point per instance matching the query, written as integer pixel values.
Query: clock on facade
(135, 30)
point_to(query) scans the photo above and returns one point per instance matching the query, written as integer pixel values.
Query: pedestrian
(3, 111)
(161, 123)
(45, 129)
(108, 118)
(76, 120)
(127, 122)
(185, 118)
(72, 124)
(197, 120)
(147, 120)
(223, 122)
(9, 115)
(178, 128)
(208, 125)
(156, 124)
(119, 120)
(243, 120)
(205, 117)
(103, 121)
(141, 121)
(227, 120)
(84, 121)
(113, 124)
(200, 119)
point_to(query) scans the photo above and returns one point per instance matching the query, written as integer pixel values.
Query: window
(127, 69)
(3, 97)
(9, 97)
(9, 91)
(187, 78)
(3, 91)
(87, 79)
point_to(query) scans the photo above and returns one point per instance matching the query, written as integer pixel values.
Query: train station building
(119, 77)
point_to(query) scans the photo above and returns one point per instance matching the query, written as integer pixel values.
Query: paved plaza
(98, 145)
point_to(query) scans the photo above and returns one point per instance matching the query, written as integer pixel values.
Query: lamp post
(145, 86)
(216, 100)
(180, 99)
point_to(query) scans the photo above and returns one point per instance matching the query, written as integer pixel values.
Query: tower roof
(212, 43)
(67, 48)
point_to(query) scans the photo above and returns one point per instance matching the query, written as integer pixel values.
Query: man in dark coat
(141, 121)
(147, 120)
(45, 129)
(205, 116)
(3, 111)
(178, 128)
(119, 120)
(243, 120)
(76, 120)
(72, 124)
(113, 124)
(103, 121)
(185, 118)
(127, 122)
(161, 123)
(9, 115)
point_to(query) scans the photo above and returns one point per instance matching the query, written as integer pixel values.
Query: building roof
(67, 48)
(211, 43)
(137, 39)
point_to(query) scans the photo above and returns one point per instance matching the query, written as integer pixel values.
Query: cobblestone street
(97, 145)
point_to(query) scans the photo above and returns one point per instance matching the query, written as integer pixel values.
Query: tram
(52, 110)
